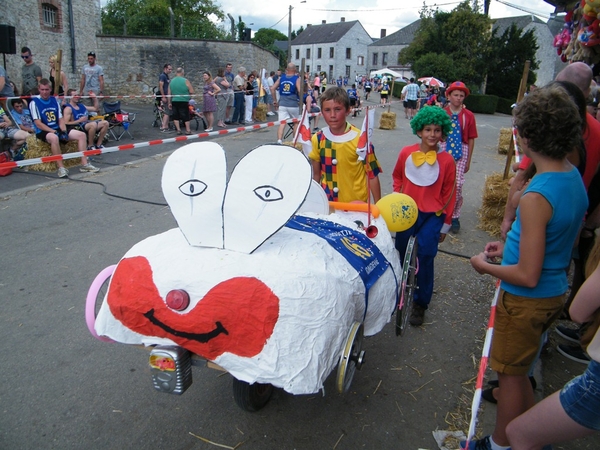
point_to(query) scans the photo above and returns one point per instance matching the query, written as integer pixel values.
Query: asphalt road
(63, 389)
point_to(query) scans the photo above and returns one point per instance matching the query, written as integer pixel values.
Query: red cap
(457, 86)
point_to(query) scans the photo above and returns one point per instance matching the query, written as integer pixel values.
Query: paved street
(63, 389)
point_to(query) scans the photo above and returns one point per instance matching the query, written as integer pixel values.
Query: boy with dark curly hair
(537, 251)
(427, 174)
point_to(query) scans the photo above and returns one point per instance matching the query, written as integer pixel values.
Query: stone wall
(132, 64)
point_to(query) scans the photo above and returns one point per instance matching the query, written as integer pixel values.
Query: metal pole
(289, 58)
(172, 22)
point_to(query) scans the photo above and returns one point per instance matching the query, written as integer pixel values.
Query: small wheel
(251, 397)
(407, 286)
(95, 297)
(352, 358)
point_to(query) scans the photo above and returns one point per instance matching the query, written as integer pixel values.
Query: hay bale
(38, 149)
(387, 121)
(261, 113)
(491, 212)
(504, 140)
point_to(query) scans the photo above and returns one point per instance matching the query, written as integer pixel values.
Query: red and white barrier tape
(54, 158)
(485, 353)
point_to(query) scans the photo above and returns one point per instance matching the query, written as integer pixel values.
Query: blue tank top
(288, 94)
(48, 111)
(79, 112)
(566, 194)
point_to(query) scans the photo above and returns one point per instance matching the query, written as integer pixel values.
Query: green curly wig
(429, 115)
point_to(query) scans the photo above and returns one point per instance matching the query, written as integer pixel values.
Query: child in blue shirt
(537, 251)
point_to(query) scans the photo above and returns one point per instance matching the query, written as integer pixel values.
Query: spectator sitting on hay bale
(50, 127)
(77, 118)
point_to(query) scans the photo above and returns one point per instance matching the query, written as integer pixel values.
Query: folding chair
(118, 120)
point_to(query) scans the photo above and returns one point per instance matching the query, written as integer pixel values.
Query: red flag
(303, 134)
(365, 135)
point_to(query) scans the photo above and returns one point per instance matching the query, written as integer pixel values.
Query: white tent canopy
(386, 72)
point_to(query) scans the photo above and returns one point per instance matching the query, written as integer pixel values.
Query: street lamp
(290, 32)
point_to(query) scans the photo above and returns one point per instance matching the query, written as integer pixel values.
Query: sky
(374, 15)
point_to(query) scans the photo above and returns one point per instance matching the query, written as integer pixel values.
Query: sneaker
(279, 141)
(62, 172)
(417, 315)
(480, 444)
(574, 353)
(165, 130)
(270, 113)
(88, 168)
(100, 147)
(455, 228)
(568, 334)
(91, 147)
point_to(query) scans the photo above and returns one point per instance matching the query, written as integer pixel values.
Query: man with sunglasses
(31, 74)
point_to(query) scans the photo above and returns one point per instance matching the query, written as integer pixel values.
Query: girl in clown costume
(427, 174)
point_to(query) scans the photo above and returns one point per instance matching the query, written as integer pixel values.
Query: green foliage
(482, 104)
(505, 65)
(505, 106)
(294, 34)
(267, 36)
(458, 45)
(192, 18)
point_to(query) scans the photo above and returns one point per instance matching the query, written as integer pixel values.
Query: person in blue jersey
(76, 116)
(288, 86)
(50, 127)
(354, 99)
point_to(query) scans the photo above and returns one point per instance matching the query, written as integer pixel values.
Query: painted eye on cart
(192, 188)
(268, 193)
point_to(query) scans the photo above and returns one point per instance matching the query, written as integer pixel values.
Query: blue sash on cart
(360, 252)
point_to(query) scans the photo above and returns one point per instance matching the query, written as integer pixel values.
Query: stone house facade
(131, 64)
(338, 49)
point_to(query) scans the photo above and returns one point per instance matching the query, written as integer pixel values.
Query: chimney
(323, 22)
(382, 33)
(343, 19)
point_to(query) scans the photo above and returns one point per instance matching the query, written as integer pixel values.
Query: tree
(294, 34)
(506, 64)
(455, 44)
(267, 37)
(193, 18)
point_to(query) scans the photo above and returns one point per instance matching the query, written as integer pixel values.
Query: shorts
(384, 95)
(405, 104)
(229, 98)
(8, 133)
(352, 102)
(580, 398)
(367, 89)
(314, 109)
(80, 127)
(42, 135)
(288, 112)
(411, 104)
(519, 325)
(181, 111)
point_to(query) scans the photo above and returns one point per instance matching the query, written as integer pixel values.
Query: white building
(338, 49)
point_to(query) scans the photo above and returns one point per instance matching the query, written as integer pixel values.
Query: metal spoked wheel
(251, 397)
(408, 284)
(352, 358)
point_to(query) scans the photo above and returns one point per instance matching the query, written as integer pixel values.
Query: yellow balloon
(398, 210)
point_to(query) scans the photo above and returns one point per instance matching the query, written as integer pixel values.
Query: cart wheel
(407, 286)
(95, 296)
(251, 397)
(352, 358)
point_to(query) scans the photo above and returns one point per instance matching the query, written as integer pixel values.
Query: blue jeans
(427, 229)
(238, 107)
(580, 398)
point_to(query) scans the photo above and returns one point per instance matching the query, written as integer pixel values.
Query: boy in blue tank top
(537, 251)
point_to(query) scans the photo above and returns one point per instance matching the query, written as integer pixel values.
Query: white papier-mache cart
(259, 279)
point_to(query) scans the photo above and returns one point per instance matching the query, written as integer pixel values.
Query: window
(307, 68)
(384, 59)
(319, 53)
(50, 15)
(330, 76)
(375, 59)
(319, 68)
(308, 53)
(331, 52)
(347, 71)
(297, 53)
(361, 61)
(348, 53)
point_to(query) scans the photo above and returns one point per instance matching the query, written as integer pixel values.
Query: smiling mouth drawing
(200, 337)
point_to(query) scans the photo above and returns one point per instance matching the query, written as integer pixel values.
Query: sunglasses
(26, 56)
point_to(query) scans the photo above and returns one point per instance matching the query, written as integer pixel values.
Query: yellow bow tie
(419, 158)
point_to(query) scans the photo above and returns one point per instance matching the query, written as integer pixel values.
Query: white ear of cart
(258, 279)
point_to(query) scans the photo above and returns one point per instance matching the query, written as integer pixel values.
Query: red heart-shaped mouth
(236, 316)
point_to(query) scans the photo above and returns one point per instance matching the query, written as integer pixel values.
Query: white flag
(303, 133)
(366, 133)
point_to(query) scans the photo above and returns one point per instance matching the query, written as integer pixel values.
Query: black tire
(251, 397)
